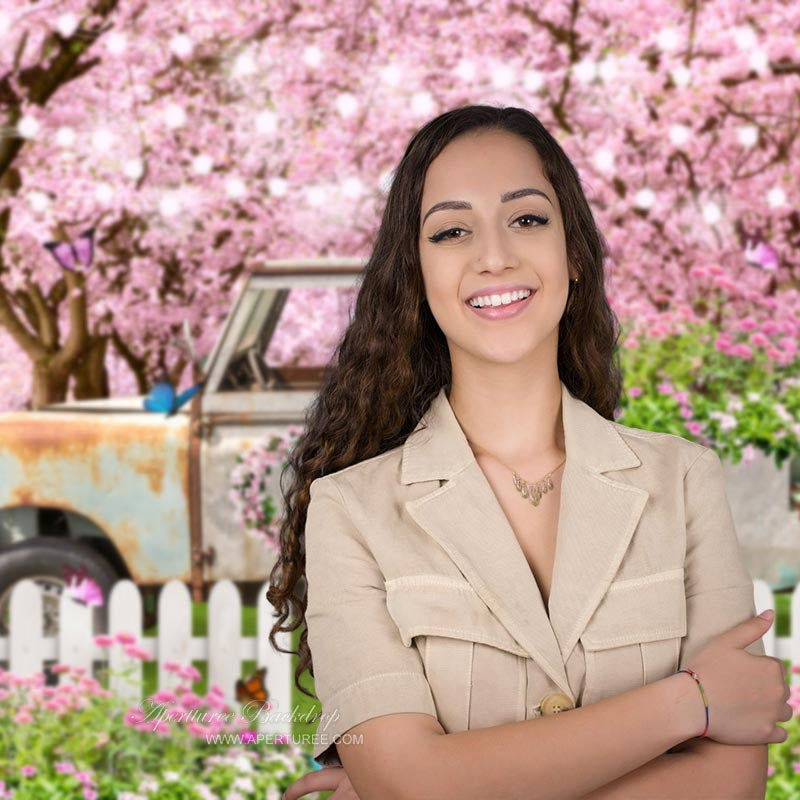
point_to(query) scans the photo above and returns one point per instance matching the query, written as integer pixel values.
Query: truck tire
(43, 560)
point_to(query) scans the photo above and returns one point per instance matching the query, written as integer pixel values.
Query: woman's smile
(512, 309)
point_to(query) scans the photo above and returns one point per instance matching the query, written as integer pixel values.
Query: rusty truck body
(143, 495)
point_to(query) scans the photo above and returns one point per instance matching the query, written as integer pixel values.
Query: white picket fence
(25, 649)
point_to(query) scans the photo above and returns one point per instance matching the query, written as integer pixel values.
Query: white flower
(245, 784)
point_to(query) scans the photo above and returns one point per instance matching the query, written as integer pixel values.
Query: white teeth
(499, 299)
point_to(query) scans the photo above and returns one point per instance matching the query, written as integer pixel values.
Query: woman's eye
(541, 219)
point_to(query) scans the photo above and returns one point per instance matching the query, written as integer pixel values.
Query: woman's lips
(503, 312)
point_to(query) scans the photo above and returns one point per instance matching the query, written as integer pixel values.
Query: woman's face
(494, 238)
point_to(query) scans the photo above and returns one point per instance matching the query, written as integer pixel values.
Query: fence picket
(25, 651)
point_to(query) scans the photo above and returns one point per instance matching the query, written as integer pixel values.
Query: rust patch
(35, 440)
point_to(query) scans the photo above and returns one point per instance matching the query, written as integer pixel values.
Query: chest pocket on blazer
(475, 668)
(634, 636)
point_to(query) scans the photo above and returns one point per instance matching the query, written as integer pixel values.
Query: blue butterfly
(162, 397)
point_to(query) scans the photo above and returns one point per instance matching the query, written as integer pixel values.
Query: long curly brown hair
(393, 358)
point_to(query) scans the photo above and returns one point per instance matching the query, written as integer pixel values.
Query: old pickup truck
(117, 491)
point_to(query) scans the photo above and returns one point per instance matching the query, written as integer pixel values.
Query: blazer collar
(597, 518)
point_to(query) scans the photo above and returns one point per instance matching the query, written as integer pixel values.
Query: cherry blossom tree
(200, 139)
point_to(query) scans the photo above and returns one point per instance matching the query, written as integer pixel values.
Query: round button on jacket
(555, 704)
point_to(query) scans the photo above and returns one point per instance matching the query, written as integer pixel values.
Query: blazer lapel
(597, 518)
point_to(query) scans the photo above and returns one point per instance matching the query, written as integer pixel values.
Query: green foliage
(683, 385)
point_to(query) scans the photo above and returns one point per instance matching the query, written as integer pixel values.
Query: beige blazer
(420, 597)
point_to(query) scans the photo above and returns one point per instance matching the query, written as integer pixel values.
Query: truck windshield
(287, 338)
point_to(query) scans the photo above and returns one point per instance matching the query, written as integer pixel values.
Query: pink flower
(56, 669)
(190, 673)
(196, 729)
(64, 767)
(171, 666)
(248, 737)
(28, 770)
(163, 696)
(89, 794)
(125, 638)
(191, 700)
(665, 387)
(84, 777)
(103, 641)
(759, 340)
(747, 324)
(769, 327)
(134, 716)
(137, 652)
(695, 428)
(635, 391)
(23, 717)
(686, 412)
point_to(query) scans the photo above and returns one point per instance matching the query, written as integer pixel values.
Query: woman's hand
(327, 779)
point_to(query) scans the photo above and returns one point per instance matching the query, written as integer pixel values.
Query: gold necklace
(532, 492)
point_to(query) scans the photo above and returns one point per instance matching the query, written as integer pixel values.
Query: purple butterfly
(81, 587)
(70, 254)
(762, 255)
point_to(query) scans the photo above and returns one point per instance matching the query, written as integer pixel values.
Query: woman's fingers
(321, 780)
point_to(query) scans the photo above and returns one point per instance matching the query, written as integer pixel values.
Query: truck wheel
(43, 560)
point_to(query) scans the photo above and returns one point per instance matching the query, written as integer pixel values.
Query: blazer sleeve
(719, 588)
(362, 669)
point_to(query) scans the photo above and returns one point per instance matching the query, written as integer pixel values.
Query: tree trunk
(91, 376)
(49, 385)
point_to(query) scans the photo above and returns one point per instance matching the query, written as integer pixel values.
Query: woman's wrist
(689, 707)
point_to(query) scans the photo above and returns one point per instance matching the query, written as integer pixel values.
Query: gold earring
(574, 282)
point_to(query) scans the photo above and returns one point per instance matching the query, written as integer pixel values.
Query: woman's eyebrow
(504, 198)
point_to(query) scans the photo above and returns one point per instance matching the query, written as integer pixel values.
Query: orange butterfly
(252, 688)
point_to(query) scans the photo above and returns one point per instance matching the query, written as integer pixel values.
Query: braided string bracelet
(694, 675)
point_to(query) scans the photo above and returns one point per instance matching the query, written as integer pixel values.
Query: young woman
(502, 581)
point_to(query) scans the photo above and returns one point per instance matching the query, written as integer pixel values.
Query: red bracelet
(694, 675)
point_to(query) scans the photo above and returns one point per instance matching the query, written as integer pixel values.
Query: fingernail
(768, 614)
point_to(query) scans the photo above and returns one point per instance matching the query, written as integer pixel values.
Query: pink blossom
(103, 641)
(190, 673)
(686, 412)
(635, 391)
(138, 653)
(64, 767)
(28, 770)
(190, 700)
(171, 666)
(742, 350)
(163, 696)
(695, 428)
(134, 716)
(125, 638)
(23, 717)
(196, 729)
(759, 340)
(665, 387)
